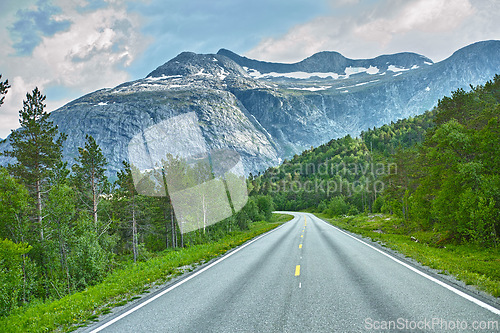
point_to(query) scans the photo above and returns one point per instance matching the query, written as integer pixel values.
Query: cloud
(93, 53)
(363, 29)
(32, 24)
(205, 26)
(13, 103)
(429, 16)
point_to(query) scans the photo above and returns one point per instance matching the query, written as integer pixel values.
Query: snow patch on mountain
(312, 88)
(393, 68)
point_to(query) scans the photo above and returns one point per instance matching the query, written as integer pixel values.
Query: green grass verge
(123, 285)
(470, 263)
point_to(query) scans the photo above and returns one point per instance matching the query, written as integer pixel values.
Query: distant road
(307, 276)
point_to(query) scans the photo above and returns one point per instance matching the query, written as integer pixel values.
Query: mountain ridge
(269, 116)
(328, 61)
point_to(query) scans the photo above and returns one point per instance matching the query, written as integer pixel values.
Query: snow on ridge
(293, 75)
(397, 74)
(357, 84)
(393, 68)
(163, 77)
(372, 70)
(356, 70)
(427, 89)
(307, 75)
(312, 88)
(102, 103)
(428, 63)
(223, 74)
(363, 83)
(252, 72)
(179, 85)
(201, 72)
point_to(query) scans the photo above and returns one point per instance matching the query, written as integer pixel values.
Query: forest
(66, 227)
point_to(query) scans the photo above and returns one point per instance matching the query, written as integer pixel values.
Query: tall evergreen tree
(89, 177)
(37, 149)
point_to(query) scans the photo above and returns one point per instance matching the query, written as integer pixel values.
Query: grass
(471, 263)
(123, 285)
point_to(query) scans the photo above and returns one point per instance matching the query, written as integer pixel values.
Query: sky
(69, 48)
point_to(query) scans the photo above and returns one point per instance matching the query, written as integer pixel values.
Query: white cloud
(92, 54)
(434, 28)
(430, 16)
(9, 111)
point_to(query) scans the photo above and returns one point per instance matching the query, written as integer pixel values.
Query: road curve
(306, 276)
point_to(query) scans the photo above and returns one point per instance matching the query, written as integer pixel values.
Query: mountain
(269, 111)
(328, 61)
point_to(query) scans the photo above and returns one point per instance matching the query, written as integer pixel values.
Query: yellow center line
(297, 270)
(301, 236)
(300, 246)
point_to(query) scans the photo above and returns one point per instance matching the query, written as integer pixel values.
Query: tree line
(65, 227)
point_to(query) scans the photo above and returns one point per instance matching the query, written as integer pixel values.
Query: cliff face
(268, 111)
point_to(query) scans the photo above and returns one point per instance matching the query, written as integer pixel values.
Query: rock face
(270, 111)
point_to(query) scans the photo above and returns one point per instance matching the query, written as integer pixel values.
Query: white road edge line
(441, 283)
(123, 315)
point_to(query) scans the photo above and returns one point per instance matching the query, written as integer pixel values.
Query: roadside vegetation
(125, 284)
(471, 263)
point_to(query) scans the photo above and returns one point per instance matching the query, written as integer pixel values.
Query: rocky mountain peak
(477, 50)
(189, 63)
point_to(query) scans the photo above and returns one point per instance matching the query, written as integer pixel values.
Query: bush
(337, 206)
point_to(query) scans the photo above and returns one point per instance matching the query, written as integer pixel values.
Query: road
(306, 276)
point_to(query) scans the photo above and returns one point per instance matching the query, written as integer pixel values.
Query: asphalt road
(307, 276)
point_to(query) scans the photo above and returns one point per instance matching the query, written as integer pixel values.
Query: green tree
(37, 149)
(61, 213)
(87, 263)
(127, 196)
(11, 279)
(89, 177)
(14, 199)
(338, 206)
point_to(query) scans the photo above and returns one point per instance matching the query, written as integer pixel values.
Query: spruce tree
(37, 149)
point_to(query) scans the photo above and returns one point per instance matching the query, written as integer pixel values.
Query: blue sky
(72, 47)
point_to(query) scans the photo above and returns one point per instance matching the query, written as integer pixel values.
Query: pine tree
(89, 177)
(37, 148)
